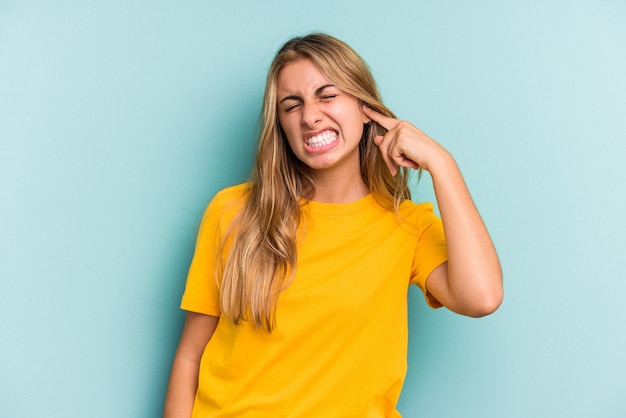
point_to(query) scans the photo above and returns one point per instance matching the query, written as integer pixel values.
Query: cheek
(353, 122)
(288, 133)
(350, 112)
(286, 123)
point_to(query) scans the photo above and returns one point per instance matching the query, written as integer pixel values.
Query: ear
(366, 120)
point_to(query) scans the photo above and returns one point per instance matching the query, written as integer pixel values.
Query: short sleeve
(431, 250)
(201, 291)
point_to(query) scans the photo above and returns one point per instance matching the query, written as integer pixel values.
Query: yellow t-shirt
(340, 344)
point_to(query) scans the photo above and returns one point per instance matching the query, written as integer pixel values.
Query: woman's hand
(404, 144)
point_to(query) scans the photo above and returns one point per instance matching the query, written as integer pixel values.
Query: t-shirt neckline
(339, 209)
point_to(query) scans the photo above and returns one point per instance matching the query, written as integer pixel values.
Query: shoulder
(410, 209)
(230, 197)
(226, 203)
(233, 192)
(421, 215)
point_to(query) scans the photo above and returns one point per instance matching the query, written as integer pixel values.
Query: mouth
(322, 139)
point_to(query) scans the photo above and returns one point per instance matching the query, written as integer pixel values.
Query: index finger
(384, 121)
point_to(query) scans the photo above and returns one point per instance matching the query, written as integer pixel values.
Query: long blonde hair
(261, 243)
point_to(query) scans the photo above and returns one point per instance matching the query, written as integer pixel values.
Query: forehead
(301, 76)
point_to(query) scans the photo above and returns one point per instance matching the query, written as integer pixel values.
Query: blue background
(120, 120)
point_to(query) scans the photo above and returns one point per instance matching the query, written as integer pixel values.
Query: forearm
(181, 389)
(474, 276)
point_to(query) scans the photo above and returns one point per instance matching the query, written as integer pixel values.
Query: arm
(181, 389)
(470, 283)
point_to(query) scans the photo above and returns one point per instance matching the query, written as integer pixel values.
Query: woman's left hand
(404, 144)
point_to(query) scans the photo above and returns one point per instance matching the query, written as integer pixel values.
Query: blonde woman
(296, 297)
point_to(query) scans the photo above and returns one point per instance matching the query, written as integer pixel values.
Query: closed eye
(292, 107)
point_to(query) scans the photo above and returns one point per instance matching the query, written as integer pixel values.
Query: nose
(311, 114)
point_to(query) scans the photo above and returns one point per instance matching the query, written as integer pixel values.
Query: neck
(339, 187)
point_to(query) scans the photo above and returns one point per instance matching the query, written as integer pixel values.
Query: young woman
(296, 297)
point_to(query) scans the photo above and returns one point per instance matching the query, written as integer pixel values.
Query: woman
(298, 286)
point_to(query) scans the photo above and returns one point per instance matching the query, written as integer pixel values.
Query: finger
(384, 121)
(383, 144)
(405, 162)
(398, 158)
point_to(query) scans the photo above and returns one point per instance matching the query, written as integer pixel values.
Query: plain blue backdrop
(120, 120)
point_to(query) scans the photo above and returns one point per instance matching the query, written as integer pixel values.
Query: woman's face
(322, 123)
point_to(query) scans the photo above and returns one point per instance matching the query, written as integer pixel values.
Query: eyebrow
(318, 91)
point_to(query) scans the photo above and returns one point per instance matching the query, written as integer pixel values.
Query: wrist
(442, 162)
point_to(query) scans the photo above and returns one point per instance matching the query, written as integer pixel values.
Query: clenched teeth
(322, 139)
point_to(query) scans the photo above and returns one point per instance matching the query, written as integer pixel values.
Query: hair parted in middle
(262, 239)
